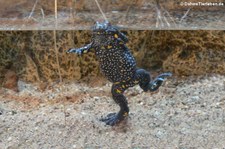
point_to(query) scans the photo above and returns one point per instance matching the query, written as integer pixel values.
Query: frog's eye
(107, 23)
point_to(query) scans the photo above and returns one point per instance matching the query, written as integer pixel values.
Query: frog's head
(104, 28)
(104, 33)
(101, 26)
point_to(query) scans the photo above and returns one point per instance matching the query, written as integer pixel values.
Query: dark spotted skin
(116, 62)
(118, 66)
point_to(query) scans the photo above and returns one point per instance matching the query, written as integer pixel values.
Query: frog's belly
(117, 68)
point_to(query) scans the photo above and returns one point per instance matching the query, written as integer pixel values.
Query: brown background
(33, 56)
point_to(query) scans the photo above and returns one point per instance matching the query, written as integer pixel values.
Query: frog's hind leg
(142, 77)
(120, 99)
(145, 80)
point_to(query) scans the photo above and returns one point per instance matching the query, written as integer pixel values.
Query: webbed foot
(72, 50)
(155, 84)
(114, 118)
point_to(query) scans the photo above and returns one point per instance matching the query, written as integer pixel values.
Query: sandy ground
(184, 113)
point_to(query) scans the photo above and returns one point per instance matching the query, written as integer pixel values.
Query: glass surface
(133, 14)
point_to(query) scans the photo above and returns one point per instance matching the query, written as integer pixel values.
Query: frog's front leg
(123, 37)
(81, 50)
(117, 94)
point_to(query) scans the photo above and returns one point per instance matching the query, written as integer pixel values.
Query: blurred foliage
(31, 54)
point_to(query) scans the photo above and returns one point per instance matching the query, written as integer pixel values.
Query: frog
(119, 66)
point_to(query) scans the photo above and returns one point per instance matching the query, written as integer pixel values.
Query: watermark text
(209, 4)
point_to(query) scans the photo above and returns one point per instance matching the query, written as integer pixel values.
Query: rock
(9, 138)
(195, 98)
(10, 80)
(160, 134)
(96, 98)
(43, 86)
